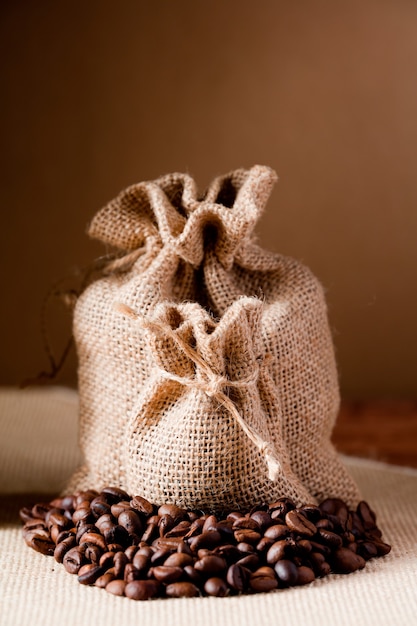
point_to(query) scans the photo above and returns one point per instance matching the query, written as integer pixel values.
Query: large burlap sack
(176, 246)
(200, 432)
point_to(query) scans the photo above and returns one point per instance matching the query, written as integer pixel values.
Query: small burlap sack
(200, 433)
(174, 246)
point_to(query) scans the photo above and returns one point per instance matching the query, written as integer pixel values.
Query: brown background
(98, 95)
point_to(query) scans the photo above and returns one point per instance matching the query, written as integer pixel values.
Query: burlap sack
(174, 246)
(200, 433)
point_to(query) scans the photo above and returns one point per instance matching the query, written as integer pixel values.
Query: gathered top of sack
(169, 212)
(196, 339)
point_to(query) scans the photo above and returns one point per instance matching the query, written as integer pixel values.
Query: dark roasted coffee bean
(210, 564)
(150, 532)
(305, 575)
(107, 560)
(119, 507)
(366, 515)
(264, 544)
(251, 561)
(325, 523)
(277, 531)
(245, 548)
(114, 494)
(263, 519)
(83, 514)
(73, 560)
(382, 548)
(103, 580)
(246, 535)
(216, 587)
(40, 542)
(287, 572)
(311, 512)
(167, 543)
(141, 589)
(55, 518)
(131, 573)
(182, 589)
(130, 521)
(276, 552)
(141, 562)
(116, 587)
(174, 511)
(238, 577)
(345, 561)
(180, 530)
(25, 514)
(160, 556)
(142, 505)
(115, 547)
(300, 524)
(234, 515)
(367, 549)
(179, 559)
(263, 579)
(95, 539)
(193, 575)
(88, 574)
(99, 506)
(166, 522)
(120, 561)
(329, 539)
(209, 540)
(130, 552)
(280, 508)
(116, 534)
(62, 548)
(246, 523)
(93, 553)
(40, 510)
(210, 523)
(167, 574)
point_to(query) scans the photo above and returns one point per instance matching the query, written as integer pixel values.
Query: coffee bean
(167, 574)
(216, 587)
(114, 494)
(103, 580)
(88, 574)
(345, 561)
(305, 575)
(238, 577)
(287, 572)
(179, 559)
(40, 542)
(263, 579)
(141, 589)
(246, 535)
(182, 589)
(276, 552)
(142, 505)
(130, 521)
(116, 587)
(277, 531)
(329, 538)
(299, 524)
(210, 564)
(185, 553)
(73, 560)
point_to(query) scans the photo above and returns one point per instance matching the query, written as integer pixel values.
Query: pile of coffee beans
(129, 547)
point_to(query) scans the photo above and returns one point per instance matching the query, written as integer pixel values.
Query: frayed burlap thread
(176, 246)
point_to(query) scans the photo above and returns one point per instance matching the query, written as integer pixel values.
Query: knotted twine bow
(213, 386)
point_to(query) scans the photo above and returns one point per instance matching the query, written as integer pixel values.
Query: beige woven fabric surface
(34, 590)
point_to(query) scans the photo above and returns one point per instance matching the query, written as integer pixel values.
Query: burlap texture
(176, 247)
(200, 433)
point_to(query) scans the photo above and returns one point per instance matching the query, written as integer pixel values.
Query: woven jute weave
(176, 247)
